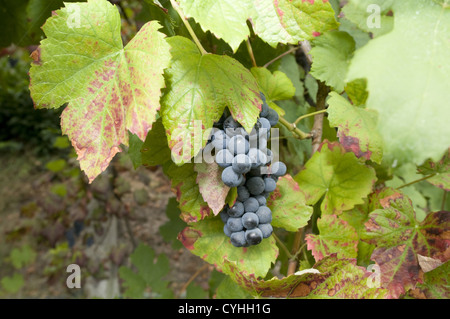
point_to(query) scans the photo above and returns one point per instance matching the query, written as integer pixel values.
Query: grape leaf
(184, 184)
(213, 190)
(399, 237)
(335, 236)
(109, 89)
(201, 87)
(150, 273)
(155, 150)
(356, 91)
(357, 128)
(288, 206)
(275, 86)
(338, 175)
(281, 21)
(170, 230)
(331, 55)
(331, 277)
(407, 87)
(207, 240)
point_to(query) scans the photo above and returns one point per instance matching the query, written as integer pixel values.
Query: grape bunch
(242, 155)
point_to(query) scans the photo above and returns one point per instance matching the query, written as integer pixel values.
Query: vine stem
(308, 115)
(280, 243)
(417, 180)
(280, 56)
(188, 26)
(316, 134)
(250, 52)
(294, 129)
(195, 275)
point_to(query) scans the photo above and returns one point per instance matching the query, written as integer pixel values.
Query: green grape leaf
(288, 205)
(356, 91)
(207, 240)
(210, 185)
(274, 22)
(22, 257)
(184, 184)
(201, 87)
(275, 86)
(12, 284)
(331, 55)
(134, 150)
(357, 128)
(338, 175)
(151, 271)
(331, 277)
(335, 236)
(110, 89)
(399, 238)
(170, 230)
(408, 101)
(155, 150)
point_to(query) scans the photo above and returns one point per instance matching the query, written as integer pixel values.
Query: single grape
(264, 214)
(231, 178)
(250, 220)
(224, 214)
(224, 158)
(265, 124)
(237, 210)
(238, 239)
(235, 224)
(238, 145)
(255, 185)
(270, 184)
(255, 172)
(278, 169)
(266, 229)
(272, 117)
(253, 236)
(226, 230)
(242, 193)
(261, 200)
(251, 205)
(257, 157)
(241, 164)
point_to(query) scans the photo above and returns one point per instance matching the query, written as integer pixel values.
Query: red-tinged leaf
(184, 184)
(207, 240)
(336, 175)
(329, 278)
(399, 239)
(110, 89)
(210, 185)
(335, 236)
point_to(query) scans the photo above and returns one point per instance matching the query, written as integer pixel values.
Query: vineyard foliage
(363, 211)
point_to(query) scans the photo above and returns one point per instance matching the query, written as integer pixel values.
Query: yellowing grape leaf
(110, 89)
